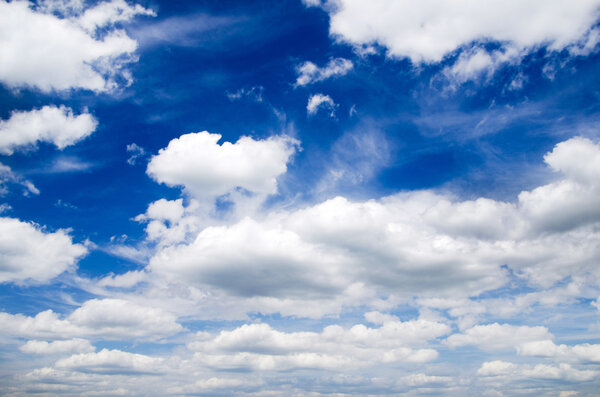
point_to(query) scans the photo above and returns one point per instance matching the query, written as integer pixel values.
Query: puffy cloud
(309, 73)
(431, 29)
(260, 347)
(96, 318)
(50, 52)
(56, 125)
(28, 254)
(206, 169)
(111, 362)
(498, 336)
(57, 347)
(496, 368)
(393, 245)
(586, 352)
(320, 101)
(563, 372)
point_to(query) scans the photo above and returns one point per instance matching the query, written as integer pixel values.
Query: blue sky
(305, 198)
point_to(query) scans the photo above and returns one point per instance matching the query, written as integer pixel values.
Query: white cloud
(516, 372)
(320, 101)
(48, 52)
(562, 372)
(586, 352)
(110, 12)
(309, 73)
(111, 319)
(125, 280)
(56, 125)
(392, 245)
(206, 169)
(498, 336)
(416, 380)
(28, 254)
(496, 368)
(111, 362)
(57, 347)
(431, 29)
(260, 347)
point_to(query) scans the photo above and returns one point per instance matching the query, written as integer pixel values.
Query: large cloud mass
(418, 243)
(426, 31)
(49, 52)
(28, 254)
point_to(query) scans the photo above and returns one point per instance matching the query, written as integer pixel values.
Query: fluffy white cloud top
(111, 319)
(49, 52)
(394, 245)
(207, 170)
(585, 352)
(428, 30)
(29, 254)
(309, 73)
(56, 125)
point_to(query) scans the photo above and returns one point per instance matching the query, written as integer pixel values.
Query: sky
(300, 198)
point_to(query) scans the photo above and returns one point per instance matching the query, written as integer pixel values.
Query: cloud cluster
(260, 347)
(512, 372)
(394, 245)
(109, 319)
(78, 49)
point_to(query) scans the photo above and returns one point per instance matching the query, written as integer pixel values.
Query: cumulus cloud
(394, 244)
(320, 101)
(260, 347)
(309, 73)
(111, 362)
(206, 169)
(29, 254)
(585, 352)
(564, 372)
(498, 336)
(56, 125)
(111, 319)
(57, 347)
(58, 47)
(429, 30)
